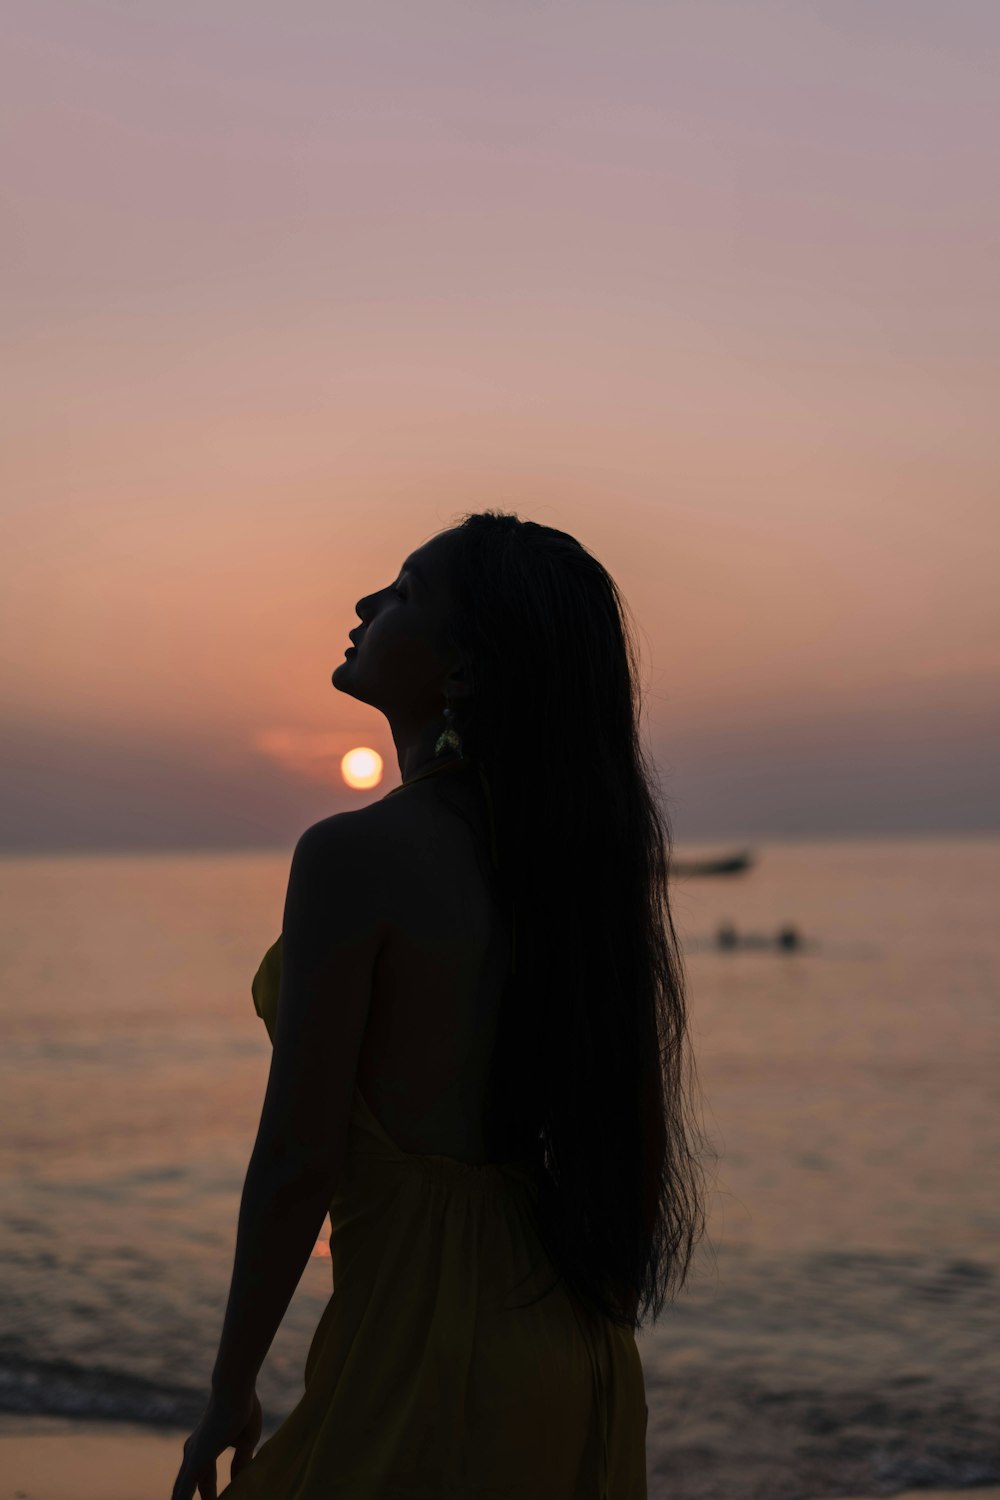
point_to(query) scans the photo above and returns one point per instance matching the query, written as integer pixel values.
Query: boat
(727, 864)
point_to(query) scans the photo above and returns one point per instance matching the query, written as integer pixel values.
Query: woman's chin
(342, 677)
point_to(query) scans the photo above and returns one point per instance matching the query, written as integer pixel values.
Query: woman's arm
(281, 1215)
(332, 931)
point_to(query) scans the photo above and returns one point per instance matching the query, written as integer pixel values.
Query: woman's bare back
(439, 980)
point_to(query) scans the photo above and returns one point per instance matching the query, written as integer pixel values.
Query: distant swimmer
(787, 938)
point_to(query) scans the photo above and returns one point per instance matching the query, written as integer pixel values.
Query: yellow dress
(424, 1380)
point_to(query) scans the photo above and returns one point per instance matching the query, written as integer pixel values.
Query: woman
(479, 1063)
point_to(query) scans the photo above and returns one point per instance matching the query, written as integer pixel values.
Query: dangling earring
(448, 739)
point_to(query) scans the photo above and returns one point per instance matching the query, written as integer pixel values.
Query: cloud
(313, 755)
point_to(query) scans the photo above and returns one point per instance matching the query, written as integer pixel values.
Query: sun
(361, 768)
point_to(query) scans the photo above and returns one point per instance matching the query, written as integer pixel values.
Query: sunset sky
(288, 288)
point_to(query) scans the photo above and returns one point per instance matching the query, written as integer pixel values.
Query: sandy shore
(48, 1458)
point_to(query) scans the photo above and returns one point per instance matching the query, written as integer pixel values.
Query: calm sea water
(838, 1332)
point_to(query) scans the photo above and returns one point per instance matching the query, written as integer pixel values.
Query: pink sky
(711, 286)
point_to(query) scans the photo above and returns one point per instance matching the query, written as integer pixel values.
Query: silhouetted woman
(479, 1064)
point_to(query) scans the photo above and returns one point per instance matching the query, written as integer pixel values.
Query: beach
(45, 1458)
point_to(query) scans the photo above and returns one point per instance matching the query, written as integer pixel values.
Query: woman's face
(401, 662)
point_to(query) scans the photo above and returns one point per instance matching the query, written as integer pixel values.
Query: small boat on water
(727, 864)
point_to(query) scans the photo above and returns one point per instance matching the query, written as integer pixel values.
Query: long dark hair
(591, 1066)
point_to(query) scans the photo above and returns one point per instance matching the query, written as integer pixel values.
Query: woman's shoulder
(397, 833)
(371, 842)
(424, 805)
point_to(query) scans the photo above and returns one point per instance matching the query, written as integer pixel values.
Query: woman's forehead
(426, 563)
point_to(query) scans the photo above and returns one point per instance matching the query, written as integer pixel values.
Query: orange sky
(711, 286)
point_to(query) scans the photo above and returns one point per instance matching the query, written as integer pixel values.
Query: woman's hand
(225, 1424)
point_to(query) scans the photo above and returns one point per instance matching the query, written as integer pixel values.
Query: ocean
(838, 1332)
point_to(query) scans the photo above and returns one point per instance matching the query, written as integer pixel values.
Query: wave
(59, 1387)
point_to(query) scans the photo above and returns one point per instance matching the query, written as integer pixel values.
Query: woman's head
(404, 663)
(510, 622)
